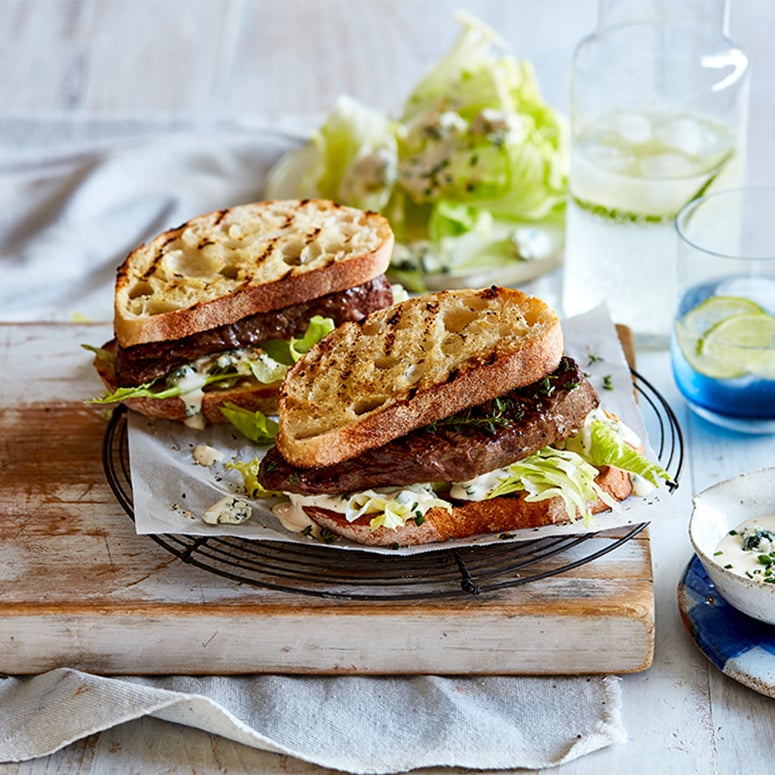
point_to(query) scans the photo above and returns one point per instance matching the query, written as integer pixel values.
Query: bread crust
(470, 518)
(222, 266)
(412, 364)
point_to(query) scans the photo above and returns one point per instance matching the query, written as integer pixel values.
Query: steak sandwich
(216, 310)
(446, 416)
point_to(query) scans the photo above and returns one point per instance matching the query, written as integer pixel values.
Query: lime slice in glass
(695, 326)
(737, 345)
(717, 308)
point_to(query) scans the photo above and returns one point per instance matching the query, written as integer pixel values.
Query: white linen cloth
(355, 724)
(75, 197)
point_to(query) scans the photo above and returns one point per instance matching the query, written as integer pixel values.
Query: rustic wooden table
(204, 60)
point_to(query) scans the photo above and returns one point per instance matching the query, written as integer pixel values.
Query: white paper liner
(171, 490)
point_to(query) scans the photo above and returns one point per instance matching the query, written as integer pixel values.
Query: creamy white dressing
(641, 487)
(293, 518)
(418, 173)
(480, 487)
(749, 549)
(191, 381)
(229, 510)
(489, 122)
(192, 378)
(370, 172)
(626, 433)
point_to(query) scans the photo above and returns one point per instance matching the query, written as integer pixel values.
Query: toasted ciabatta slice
(471, 518)
(353, 390)
(222, 266)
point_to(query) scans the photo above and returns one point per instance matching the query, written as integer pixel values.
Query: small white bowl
(715, 512)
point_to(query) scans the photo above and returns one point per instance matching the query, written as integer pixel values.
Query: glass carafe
(659, 104)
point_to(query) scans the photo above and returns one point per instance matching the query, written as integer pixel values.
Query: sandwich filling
(259, 348)
(547, 440)
(144, 362)
(457, 448)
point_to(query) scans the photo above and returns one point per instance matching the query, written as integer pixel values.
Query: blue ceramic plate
(741, 647)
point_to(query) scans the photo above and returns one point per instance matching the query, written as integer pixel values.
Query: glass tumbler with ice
(723, 339)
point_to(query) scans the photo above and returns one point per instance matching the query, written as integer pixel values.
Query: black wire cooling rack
(328, 572)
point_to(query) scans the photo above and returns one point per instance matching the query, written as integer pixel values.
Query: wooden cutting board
(79, 588)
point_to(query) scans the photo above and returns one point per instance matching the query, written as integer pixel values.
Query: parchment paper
(171, 490)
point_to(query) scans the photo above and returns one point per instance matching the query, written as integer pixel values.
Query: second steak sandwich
(447, 416)
(215, 311)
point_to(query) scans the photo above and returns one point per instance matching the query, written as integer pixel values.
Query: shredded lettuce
(569, 472)
(475, 154)
(393, 508)
(551, 473)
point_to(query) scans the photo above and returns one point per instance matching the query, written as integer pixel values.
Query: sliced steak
(458, 448)
(145, 362)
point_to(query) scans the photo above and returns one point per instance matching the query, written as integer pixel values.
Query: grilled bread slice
(222, 266)
(410, 364)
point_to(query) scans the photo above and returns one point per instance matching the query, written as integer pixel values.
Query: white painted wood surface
(211, 59)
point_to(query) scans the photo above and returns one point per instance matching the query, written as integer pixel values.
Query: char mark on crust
(474, 441)
(145, 362)
(313, 235)
(173, 236)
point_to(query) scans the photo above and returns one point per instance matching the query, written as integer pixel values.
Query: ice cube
(609, 157)
(631, 127)
(669, 165)
(691, 137)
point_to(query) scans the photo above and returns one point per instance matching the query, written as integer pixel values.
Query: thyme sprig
(504, 412)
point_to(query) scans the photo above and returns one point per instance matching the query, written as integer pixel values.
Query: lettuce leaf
(569, 472)
(602, 444)
(475, 154)
(255, 426)
(153, 390)
(352, 158)
(318, 327)
(249, 470)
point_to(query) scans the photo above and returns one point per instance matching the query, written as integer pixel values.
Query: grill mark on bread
(270, 246)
